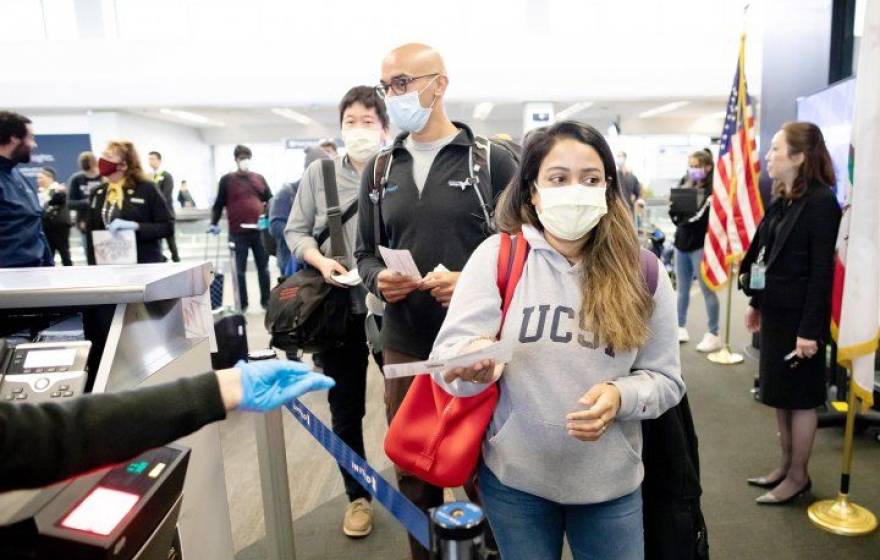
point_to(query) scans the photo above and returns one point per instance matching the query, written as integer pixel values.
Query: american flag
(736, 208)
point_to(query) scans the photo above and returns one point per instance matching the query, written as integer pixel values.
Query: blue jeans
(687, 265)
(531, 528)
(250, 240)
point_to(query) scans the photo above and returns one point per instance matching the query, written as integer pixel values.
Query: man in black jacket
(430, 205)
(165, 182)
(44, 443)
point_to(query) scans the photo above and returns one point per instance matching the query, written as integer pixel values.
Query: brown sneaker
(358, 520)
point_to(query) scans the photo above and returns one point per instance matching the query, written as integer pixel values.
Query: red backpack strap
(512, 255)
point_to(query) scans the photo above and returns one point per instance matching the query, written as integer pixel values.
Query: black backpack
(304, 311)
(674, 525)
(673, 519)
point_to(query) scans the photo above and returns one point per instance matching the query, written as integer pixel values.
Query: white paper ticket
(350, 278)
(501, 352)
(400, 260)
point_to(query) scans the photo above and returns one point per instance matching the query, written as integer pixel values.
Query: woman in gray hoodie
(594, 353)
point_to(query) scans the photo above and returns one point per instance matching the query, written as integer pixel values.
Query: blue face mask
(696, 174)
(406, 111)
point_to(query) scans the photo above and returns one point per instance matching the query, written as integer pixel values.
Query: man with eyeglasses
(423, 194)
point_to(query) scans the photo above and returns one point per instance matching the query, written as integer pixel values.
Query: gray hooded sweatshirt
(554, 364)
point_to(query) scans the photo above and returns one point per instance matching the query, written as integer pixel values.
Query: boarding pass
(501, 352)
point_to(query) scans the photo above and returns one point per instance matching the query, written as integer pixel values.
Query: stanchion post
(841, 516)
(725, 356)
(457, 532)
(274, 486)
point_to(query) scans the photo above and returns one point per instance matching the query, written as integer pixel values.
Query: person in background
(99, 429)
(184, 198)
(690, 233)
(630, 187)
(427, 208)
(329, 147)
(22, 240)
(280, 209)
(128, 200)
(788, 271)
(594, 354)
(364, 125)
(165, 182)
(245, 195)
(56, 216)
(79, 187)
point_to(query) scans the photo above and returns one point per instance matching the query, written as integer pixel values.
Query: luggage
(219, 276)
(304, 311)
(230, 328)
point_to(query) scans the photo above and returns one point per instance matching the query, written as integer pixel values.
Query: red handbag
(438, 437)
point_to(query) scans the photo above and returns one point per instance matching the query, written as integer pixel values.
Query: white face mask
(244, 164)
(571, 212)
(361, 143)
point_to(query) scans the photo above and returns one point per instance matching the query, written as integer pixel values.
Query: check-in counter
(147, 324)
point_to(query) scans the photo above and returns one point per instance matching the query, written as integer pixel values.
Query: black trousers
(348, 367)
(59, 242)
(172, 247)
(250, 240)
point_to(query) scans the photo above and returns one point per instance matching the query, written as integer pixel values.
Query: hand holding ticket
(400, 260)
(351, 278)
(497, 352)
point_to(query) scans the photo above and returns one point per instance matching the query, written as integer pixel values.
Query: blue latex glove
(269, 384)
(121, 225)
(214, 230)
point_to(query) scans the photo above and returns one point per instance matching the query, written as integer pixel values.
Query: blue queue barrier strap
(411, 517)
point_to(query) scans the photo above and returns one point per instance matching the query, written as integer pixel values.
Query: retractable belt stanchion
(454, 530)
(457, 532)
(274, 486)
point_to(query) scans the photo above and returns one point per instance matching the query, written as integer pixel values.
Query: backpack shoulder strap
(482, 148)
(480, 173)
(650, 267)
(512, 255)
(381, 171)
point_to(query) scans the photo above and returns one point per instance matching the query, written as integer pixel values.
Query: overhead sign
(58, 151)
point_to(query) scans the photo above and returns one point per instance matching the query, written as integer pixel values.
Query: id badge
(756, 278)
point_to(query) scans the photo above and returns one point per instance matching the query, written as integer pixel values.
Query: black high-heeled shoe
(764, 482)
(769, 499)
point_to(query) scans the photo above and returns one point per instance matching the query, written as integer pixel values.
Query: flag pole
(840, 516)
(725, 356)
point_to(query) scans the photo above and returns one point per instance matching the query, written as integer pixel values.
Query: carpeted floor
(737, 440)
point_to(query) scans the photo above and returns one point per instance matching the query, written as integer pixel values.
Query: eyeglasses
(399, 84)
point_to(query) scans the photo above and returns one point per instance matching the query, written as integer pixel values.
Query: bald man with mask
(429, 205)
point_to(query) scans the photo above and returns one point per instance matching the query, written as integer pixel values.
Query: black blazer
(166, 187)
(144, 204)
(800, 266)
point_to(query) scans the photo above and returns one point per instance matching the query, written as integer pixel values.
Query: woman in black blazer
(793, 250)
(129, 201)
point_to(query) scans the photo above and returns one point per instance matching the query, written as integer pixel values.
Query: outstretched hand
(266, 385)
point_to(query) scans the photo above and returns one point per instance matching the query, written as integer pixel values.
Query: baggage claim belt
(410, 516)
